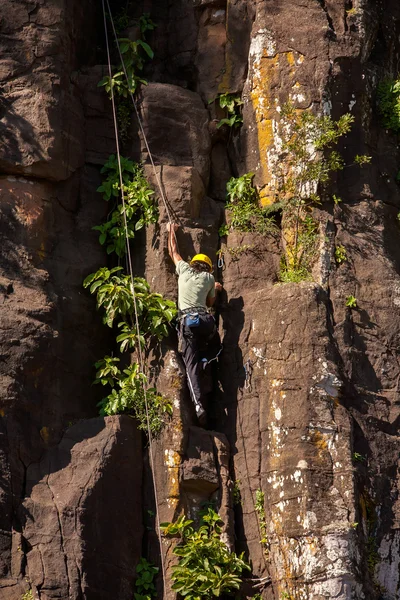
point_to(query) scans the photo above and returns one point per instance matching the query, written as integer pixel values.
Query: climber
(199, 341)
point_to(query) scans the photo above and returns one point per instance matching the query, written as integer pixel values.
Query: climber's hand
(218, 286)
(172, 227)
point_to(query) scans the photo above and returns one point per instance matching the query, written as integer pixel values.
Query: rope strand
(140, 353)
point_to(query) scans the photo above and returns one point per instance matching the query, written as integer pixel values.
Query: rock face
(306, 414)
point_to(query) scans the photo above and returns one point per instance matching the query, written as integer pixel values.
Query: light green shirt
(193, 287)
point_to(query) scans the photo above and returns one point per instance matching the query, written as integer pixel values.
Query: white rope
(140, 353)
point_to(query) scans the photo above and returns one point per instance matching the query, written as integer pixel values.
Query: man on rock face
(199, 341)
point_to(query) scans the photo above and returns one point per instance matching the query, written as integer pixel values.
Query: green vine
(206, 568)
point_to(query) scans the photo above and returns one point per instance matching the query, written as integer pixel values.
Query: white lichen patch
(302, 464)
(262, 44)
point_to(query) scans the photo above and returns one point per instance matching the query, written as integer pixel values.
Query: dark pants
(198, 346)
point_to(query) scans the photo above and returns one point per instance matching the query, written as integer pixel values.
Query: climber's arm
(172, 244)
(210, 300)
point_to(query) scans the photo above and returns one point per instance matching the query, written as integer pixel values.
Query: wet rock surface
(312, 422)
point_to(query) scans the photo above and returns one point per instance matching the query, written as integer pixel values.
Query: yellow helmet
(202, 258)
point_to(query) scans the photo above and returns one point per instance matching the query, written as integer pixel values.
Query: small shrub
(307, 161)
(237, 497)
(206, 568)
(128, 396)
(145, 588)
(232, 104)
(134, 53)
(358, 457)
(114, 296)
(296, 265)
(351, 302)
(27, 596)
(245, 213)
(260, 510)
(389, 103)
(140, 207)
(340, 254)
(237, 251)
(336, 199)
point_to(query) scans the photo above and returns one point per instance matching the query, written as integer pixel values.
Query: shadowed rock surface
(314, 426)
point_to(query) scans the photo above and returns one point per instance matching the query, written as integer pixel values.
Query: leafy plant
(27, 596)
(232, 104)
(139, 208)
(245, 213)
(206, 568)
(237, 497)
(388, 94)
(128, 395)
(336, 199)
(351, 302)
(145, 588)
(146, 24)
(308, 158)
(134, 53)
(114, 295)
(297, 270)
(359, 457)
(237, 251)
(340, 254)
(260, 510)
(223, 230)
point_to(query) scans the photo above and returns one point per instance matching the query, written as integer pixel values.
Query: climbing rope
(129, 258)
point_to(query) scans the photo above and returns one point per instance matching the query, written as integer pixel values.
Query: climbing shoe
(201, 414)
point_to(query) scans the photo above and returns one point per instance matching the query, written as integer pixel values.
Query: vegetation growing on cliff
(142, 316)
(231, 103)
(389, 103)
(244, 211)
(260, 510)
(138, 209)
(145, 587)
(134, 54)
(206, 568)
(308, 159)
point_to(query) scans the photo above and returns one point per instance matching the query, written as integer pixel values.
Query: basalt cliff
(307, 409)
